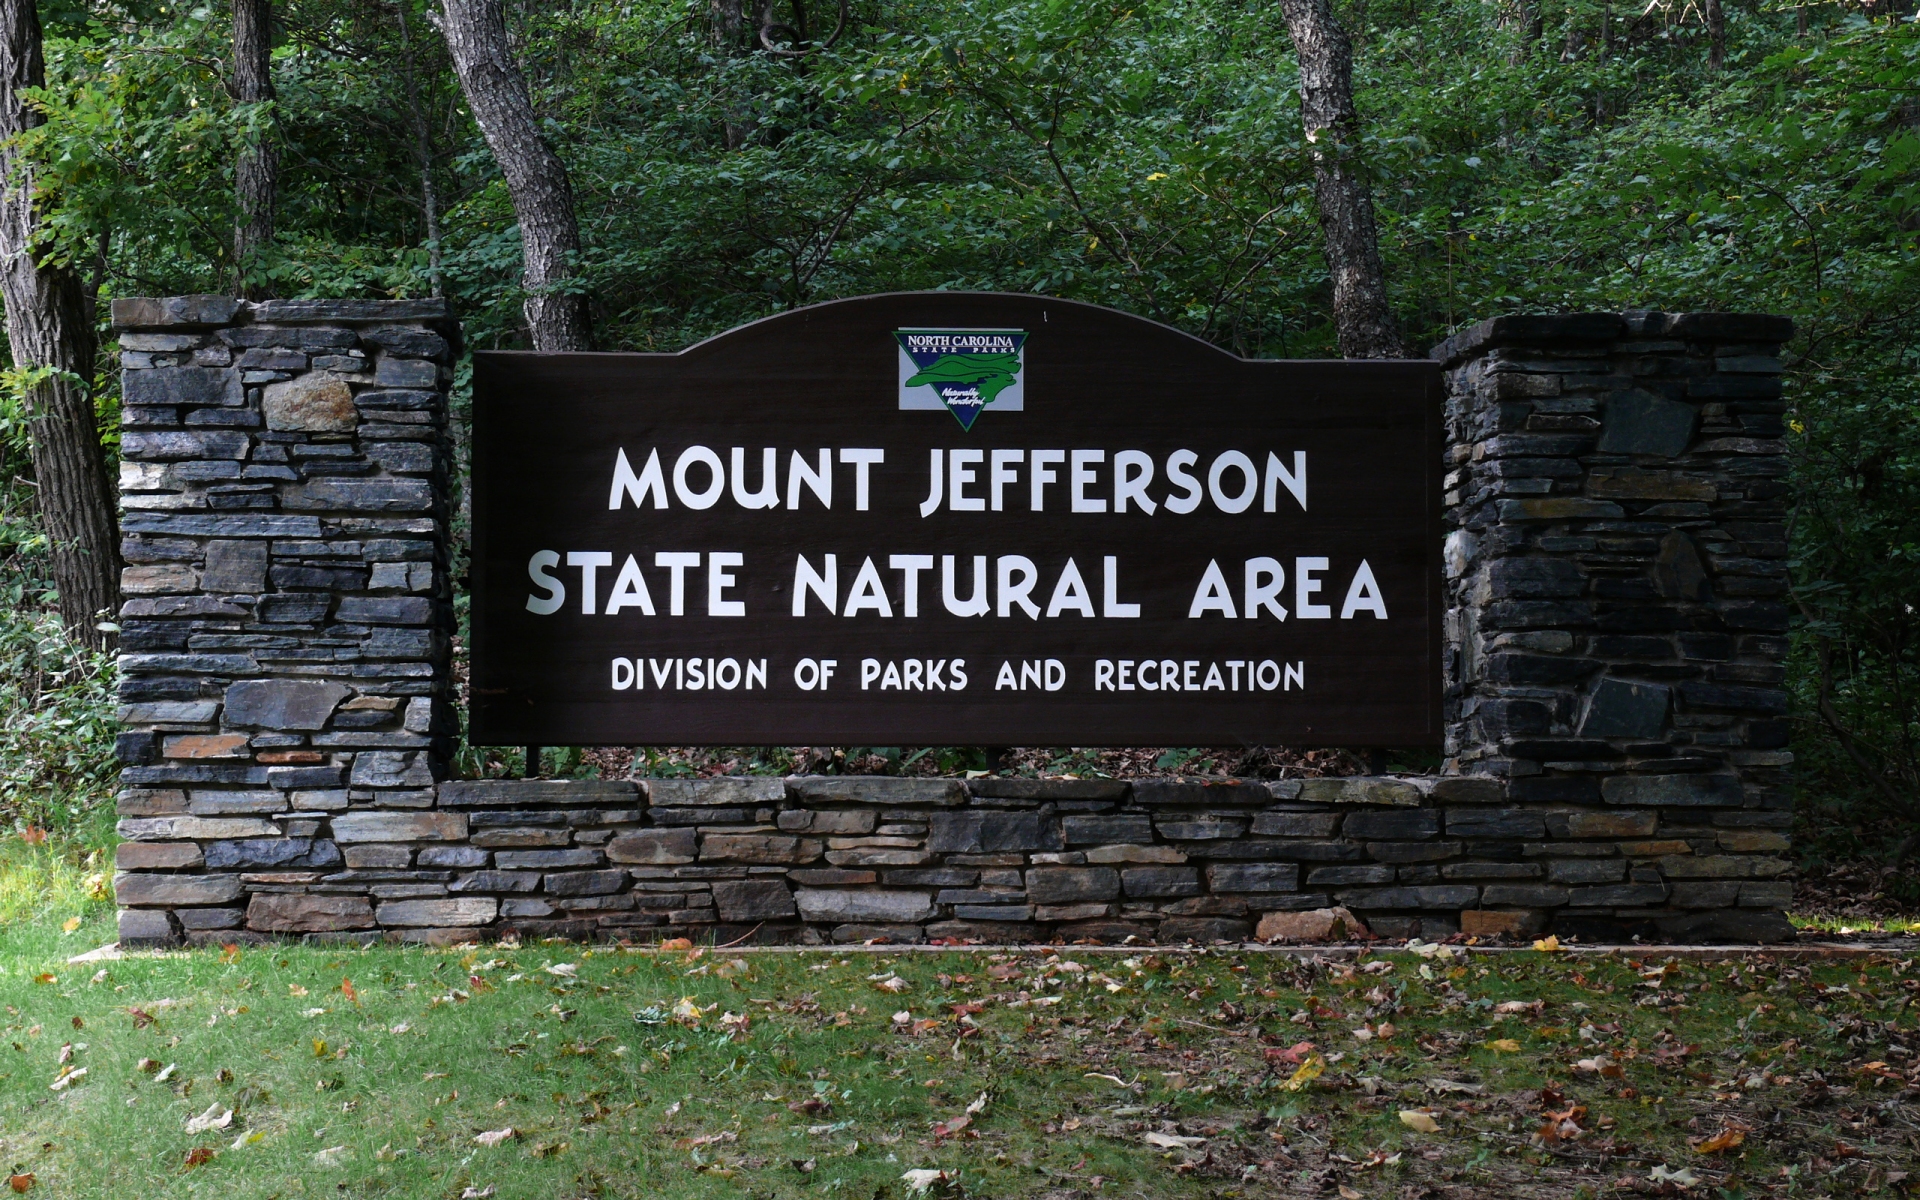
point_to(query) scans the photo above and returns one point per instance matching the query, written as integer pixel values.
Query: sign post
(955, 518)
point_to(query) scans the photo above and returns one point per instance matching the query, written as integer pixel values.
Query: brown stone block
(1751, 841)
(1619, 823)
(1315, 925)
(151, 802)
(156, 856)
(1480, 922)
(1655, 849)
(665, 846)
(1649, 485)
(206, 745)
(760, 848)
(291, 758)
(466, 910)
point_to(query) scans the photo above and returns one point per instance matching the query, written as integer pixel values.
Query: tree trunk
(47, 327)
(257, 172)
(1716, 35)
(476, 33)
(422, 155)
(1361, 316)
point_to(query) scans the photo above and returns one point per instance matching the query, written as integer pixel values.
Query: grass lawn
(391, 1072)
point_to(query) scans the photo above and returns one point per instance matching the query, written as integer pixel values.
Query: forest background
(1523, 156)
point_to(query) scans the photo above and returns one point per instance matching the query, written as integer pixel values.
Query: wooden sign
(954, 519)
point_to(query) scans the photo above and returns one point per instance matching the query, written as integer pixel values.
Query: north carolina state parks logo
(965, 371)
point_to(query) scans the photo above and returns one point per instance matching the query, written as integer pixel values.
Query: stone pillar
(1618, 619)
(285, 634)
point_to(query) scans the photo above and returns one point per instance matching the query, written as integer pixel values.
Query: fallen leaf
(70, 924)
(46, 977)
(1547, 945)
(677, 944)
(214, 1118)
(946, 1129)
(1455, 1086)
(1729, 1138)
(1509, 1007)
(1308, 1071)
(1347, 1193)
(923, 1179)
(474, 1193)
(1504, 1046)
(705, 1139)
(687, 1012)
(33, 835)
(346, 989)
(251, 1138)
(493, 1137)
(200, 1156)
(1115, 1080)
(1418, 1121)
(294, 989)
(1292, 1055)
(893, 984)
(330, 1157)
(563, 970)
(1171, 1141)
(68, 1077)
(166, 1072)
(20, 1183)
(1684, 1177)
(978, 1106)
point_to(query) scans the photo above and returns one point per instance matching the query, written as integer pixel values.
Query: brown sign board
(954, 519)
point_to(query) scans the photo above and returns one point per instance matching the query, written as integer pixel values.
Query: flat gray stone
(753, 900)
(402, 826)
(874, 789)
(984, 831)
(654, 846)
(1639, 422)
(461, 911)
(1072, 885)
(293, 913)
(509, 793)
(862, 905)
(1360, 789)
(1656, 791)
(283, 703)
(725, 791)
(155, 891)
(1621, 708)
(1253, 877)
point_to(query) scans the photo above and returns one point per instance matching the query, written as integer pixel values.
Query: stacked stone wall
(1616, 746)
(285, 630)
(1617, 558)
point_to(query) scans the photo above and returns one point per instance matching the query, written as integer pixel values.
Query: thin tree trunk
(1716, 35)
(476, 33)
(48, 329)
(1361, 316)
(422, 155)
(257, 172)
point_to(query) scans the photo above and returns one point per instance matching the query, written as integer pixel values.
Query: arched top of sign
(1076, 316)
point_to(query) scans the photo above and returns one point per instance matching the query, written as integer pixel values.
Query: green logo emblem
(964, 371)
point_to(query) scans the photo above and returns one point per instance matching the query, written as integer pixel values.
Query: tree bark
(422, 155)
(476, 33)
(1361, 316)
(47, 327)
(257, 171)
(1716, 35)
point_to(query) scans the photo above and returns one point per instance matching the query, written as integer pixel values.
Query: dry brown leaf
(1418, 1121)
(1730, 1137)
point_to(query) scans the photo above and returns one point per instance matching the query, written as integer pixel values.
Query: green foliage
(57, 766)
(1547, 157)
